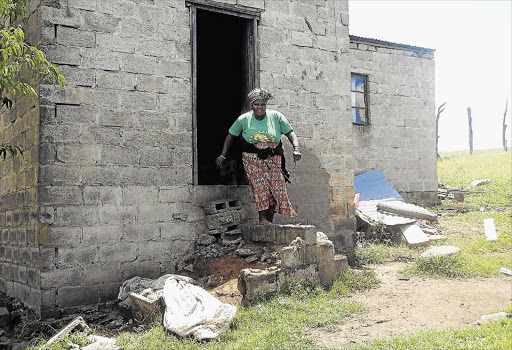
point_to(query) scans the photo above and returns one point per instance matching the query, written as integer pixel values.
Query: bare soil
(401, 306)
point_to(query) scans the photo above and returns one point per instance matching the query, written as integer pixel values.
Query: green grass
(374, 253)
(491, 335)
(462, 223)
(280, 323)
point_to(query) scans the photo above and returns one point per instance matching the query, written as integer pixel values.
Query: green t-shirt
(253, 130)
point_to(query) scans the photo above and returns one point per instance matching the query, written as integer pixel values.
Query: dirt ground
(402, 306)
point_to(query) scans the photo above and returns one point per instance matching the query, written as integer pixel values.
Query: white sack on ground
(191, 310)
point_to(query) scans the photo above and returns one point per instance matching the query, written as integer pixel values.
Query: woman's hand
(220, 161)
(296, 155)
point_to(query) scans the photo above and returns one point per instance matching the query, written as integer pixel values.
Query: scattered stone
(490, 229)
(479, 182)
(189, 268)
(252, 258)
(413, 234)
(506, 271)
(493, 317)
(248, 250)
(444, 250)
(436, 237)
(205, 239)
(458, 196)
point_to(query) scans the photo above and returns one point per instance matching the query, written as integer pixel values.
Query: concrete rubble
(309, 256)
(183, 307)
(493, 317)
(437, 251)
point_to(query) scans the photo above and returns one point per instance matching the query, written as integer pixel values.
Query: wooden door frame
(249, 13)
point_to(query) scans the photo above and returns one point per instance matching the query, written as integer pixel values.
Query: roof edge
(389, 44)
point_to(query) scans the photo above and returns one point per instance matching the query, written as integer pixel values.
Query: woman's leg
(263, 217)
(270, 213)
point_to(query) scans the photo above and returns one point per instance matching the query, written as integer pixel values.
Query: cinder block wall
(114, 190)
(304, 50)
(400, 139)
(20, 261)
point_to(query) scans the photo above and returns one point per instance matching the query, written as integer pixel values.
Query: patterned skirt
(267, 181)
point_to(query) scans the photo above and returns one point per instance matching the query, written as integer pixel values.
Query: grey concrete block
(56, 278)
(99, 274)
(102, 235)
(227, 218)
(254, 284)
(77, 295)
(68, 36)
(141, 233)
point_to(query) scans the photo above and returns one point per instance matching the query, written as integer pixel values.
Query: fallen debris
(101, 343)
(490, 229)
(414, 235)
(436, 237)
(408, 210)
(493, 317)
(187, 309)
(506, 271)
(191, 310)
(479, 182)
(442, 250)
(77, 323)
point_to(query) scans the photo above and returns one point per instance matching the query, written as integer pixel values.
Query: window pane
(358, 100)
(357, 83)
(359, 115)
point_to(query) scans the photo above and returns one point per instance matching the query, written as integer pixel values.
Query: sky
(473, 59)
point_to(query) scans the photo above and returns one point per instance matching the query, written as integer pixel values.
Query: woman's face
(259, 107)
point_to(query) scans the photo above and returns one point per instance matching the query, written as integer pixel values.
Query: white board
(490, 229)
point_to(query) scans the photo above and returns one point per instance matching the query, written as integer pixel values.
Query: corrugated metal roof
(354, 38)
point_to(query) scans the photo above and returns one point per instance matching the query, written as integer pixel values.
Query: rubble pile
(223, 219)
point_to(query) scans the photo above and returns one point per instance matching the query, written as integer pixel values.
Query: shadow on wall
(309, 191)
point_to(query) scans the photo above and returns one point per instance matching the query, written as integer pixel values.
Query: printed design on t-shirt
(260, 136)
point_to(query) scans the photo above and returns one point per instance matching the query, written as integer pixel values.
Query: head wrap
(259, 94)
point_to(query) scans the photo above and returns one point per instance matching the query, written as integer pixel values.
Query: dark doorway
(224, 54)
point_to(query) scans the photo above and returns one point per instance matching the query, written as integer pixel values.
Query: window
(359, 99)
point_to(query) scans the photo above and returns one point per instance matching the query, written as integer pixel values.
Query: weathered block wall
(303, 47)
(19, 252)
(400, 139)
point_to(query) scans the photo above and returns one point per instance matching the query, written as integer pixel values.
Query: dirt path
(400, 306)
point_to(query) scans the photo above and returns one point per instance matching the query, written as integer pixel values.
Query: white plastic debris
(506, 271)
(191, 310)
(479, 182)
(490, 229)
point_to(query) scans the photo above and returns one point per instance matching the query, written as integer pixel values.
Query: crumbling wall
(400, 139)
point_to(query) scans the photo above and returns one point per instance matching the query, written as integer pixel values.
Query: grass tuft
(441, 266)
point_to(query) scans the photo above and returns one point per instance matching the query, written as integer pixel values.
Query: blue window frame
(359, 96)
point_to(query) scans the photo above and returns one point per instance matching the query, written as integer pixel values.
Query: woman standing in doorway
(262, 155)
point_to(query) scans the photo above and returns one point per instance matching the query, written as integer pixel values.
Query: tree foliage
(20, 63)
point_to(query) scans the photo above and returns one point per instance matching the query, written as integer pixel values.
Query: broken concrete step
(220, 206)
(442, 250)
(406, 209)
(280, 234)
(413, 234)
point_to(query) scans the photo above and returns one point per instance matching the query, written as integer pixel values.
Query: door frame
(253, 79)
